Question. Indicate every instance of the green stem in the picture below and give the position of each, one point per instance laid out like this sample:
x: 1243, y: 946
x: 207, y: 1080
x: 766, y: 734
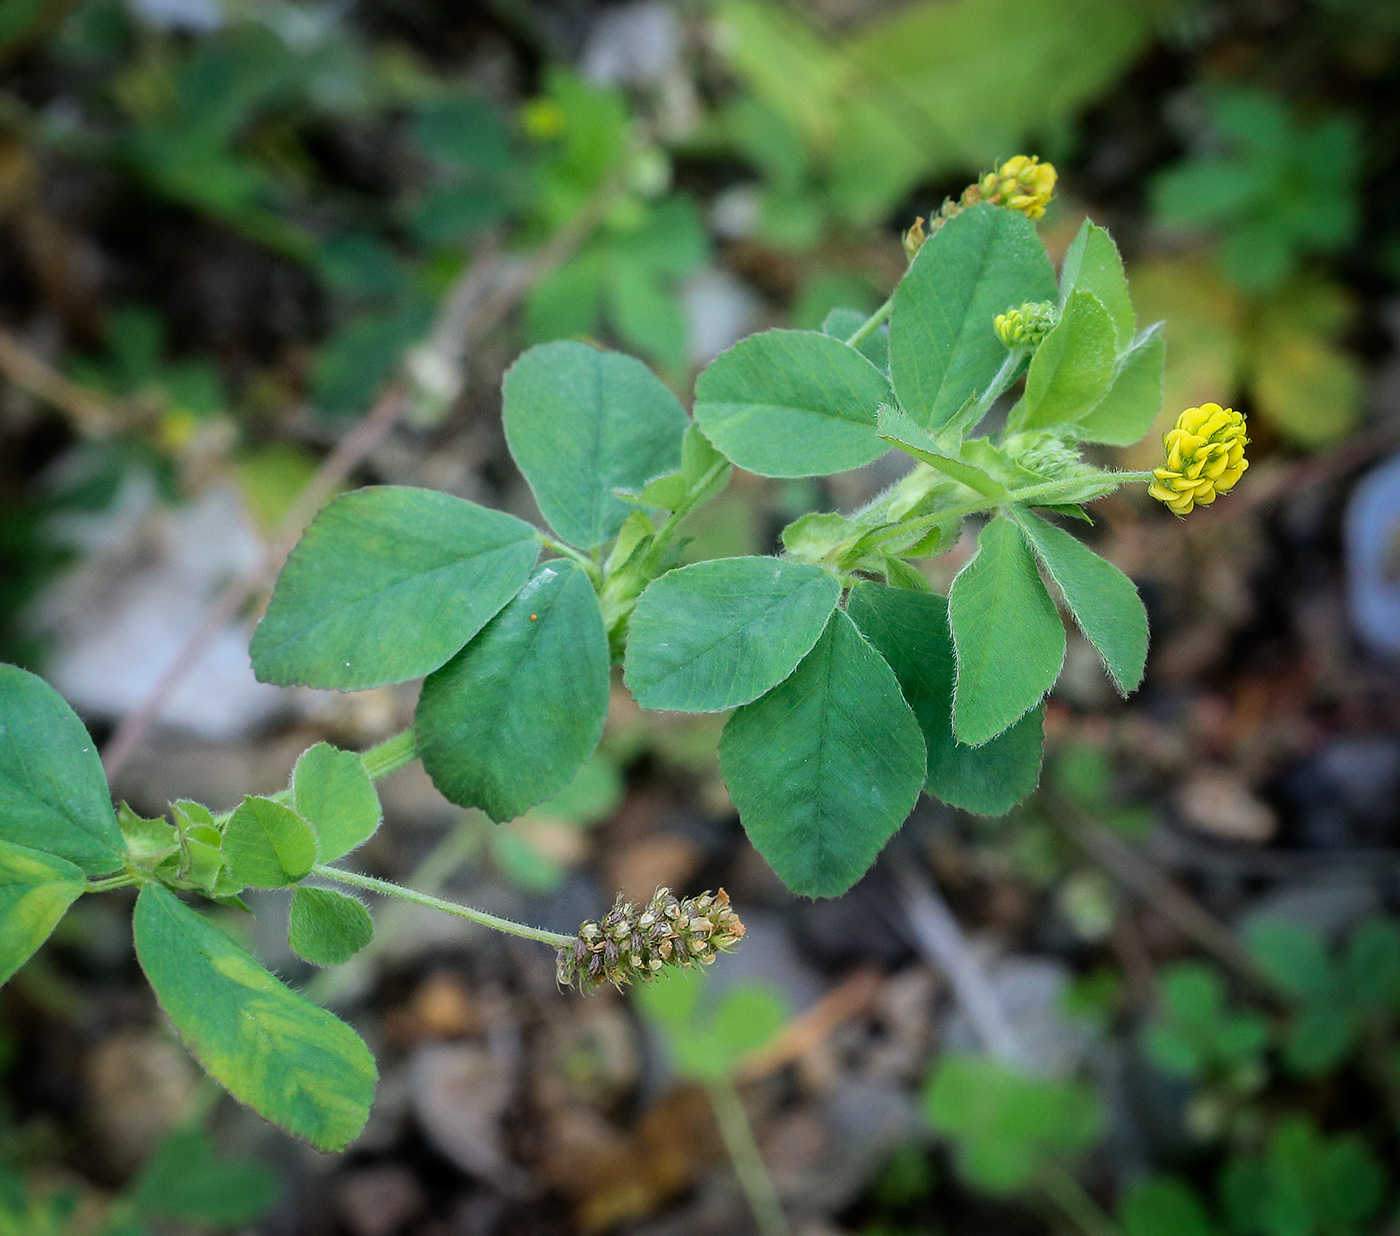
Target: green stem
x: 356, y: 880
x: 334, y: 986
x: 868, y: 327
x: 667, y: 532
x: 108, y: 883
x: 390, y: 755
x: 1012, y: 497
x: 619, y: 595
x: 590, y: 567
x: 1005, y: 376
x: 744, y: 1153
x: 1075, y: 1204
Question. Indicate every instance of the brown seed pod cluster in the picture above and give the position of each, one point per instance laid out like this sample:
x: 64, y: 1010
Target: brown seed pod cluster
x: 629, y: 943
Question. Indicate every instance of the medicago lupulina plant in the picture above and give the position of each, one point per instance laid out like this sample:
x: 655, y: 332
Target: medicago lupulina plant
x: 853, y: 687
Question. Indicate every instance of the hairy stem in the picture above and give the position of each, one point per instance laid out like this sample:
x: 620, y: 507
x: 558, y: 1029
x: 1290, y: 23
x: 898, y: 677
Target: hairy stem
x: 353, y: 878
x: 590, y: 567
x: 1005, y: 376
x: 1026, y: 496
x: 743, y: 1150
x: 390, y: 755
x: 108, y: 883
x: 869, y: 326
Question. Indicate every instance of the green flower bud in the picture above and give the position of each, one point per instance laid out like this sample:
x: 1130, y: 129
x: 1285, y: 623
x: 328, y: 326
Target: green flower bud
x: 1027, y: 326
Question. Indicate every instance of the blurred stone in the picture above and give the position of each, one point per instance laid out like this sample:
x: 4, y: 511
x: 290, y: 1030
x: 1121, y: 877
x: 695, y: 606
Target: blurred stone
x: 590, y: 1052
x: 146, y: 576
x: 379, y: 1200
x: 1082, y: 680
x: 441, y: 1007
x: 140, y: 1084
x: 1372, y: 541
x: 1217, y: 802
x: 1330, y: 904
x: 460, y: 1094
x: 665, y: 858
x: 633, y: 43
x: 1031, y: 992
x: 720, y: 309
x: 1345, y: 795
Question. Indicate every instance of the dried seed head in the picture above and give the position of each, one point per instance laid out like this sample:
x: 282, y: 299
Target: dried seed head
x: 632, y: 943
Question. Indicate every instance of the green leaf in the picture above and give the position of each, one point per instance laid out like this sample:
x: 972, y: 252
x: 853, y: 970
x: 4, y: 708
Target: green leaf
x: 1319, y: 1039
x: 792, y: 403
x: 1103, y: 600
x: 53, y: 792
x: 875, y: 347
x: 942, y: 346
x: 332, y: 792
x: 1006, y: 1124
x: 267, y: 845
x: 747, y: 1017
x: 386, y: 584
x: 826, y: 766
x: 1072, y: 369
x: 188, y: 1180
x: 506, y: 723
x: 291, y: 1062
x: 580, y: 423
x: 1164, y: 1206
x: 899, y: 429
x: 1373, y: 964
x: 327, y: 927
x: 1135, y: 398
x: 910, y: 630
x: 36, y: 890
x: 1093, y: 264
x: 707, y: 1040
x: 1294, y: 957
x: 721, y: 633
x: 1008, y: 636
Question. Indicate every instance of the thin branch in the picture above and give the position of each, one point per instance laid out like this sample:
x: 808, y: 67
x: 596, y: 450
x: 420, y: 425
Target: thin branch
x: 939, y: 937
x: 744, y: 1154
x: 92, y: 414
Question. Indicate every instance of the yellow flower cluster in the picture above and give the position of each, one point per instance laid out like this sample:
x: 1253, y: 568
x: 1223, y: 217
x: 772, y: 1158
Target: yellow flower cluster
x: 1023, y: 183
x: 1027, y: 326
x: 1205, y: 457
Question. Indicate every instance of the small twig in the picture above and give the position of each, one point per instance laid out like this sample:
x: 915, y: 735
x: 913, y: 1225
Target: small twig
x: 388, y: 889
x: 92, y: 415
x: 803, y: 1033
x: 746, y: 1157
x: 940, y: 938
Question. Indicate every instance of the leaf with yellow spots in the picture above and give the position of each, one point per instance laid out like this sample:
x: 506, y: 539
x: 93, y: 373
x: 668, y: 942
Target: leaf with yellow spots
x: 293, y: 1063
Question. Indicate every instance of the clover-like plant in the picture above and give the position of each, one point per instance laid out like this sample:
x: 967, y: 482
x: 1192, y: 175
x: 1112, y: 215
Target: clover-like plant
x: 853, y: 687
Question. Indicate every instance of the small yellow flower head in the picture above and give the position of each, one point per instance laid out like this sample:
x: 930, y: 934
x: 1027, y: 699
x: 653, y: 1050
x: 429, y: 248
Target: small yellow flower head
x: 1027, y: 326
x: 1023, y: 183
x: 1205, y: 457
x: 631, y: 943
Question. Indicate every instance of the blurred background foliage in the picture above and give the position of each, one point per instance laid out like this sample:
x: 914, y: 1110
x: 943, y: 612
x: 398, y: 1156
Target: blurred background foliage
x: 229, y: 226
